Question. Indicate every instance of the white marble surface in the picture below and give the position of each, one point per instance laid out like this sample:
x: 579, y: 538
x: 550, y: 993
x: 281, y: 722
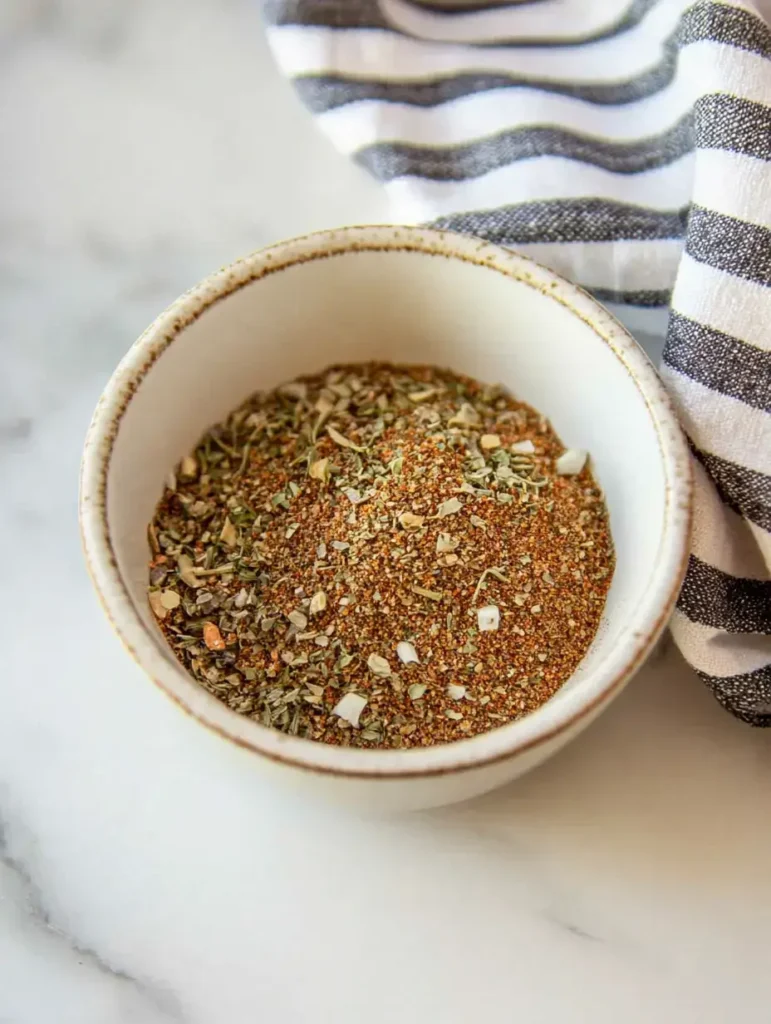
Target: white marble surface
x: 146, y: 874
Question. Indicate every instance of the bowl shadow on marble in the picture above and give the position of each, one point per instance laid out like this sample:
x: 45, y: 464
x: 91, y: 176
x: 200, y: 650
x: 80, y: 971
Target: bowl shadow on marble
x: 664, y: 790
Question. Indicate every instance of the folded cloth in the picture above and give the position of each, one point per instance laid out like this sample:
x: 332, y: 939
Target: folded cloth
x: 628, y: 146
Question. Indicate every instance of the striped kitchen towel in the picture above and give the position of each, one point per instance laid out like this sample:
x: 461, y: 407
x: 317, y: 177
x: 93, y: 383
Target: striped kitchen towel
x: 626, y: 144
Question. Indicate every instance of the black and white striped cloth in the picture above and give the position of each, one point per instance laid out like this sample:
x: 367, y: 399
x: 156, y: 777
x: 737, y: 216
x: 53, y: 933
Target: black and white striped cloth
x: 627, y: 144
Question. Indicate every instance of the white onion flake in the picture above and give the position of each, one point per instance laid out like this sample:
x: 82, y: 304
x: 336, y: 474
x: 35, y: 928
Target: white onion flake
x: 571, y: 462
x: 488, y: 618
x: 406, y: 653
x: 350, y: 708
x: 523, y: 448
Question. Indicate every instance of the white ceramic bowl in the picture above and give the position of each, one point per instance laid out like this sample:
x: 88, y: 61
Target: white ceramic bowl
x: 404, y: 295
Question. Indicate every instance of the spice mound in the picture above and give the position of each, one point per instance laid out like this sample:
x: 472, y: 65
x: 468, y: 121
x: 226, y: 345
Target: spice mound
x: 381, y: 556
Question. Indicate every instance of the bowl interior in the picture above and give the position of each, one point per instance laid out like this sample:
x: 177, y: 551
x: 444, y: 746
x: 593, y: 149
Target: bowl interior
x: 516, y: 327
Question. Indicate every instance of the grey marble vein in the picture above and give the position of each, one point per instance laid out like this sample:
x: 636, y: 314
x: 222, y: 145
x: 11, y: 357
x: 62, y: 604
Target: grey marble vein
x: 153, y: 996
x: 572, y: 928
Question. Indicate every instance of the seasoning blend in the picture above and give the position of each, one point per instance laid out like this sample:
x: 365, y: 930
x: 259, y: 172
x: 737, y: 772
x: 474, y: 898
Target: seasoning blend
x: 381, y: 556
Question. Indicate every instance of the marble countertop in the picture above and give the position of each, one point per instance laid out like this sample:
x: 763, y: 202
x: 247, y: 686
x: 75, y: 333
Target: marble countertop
x: 146, y: 874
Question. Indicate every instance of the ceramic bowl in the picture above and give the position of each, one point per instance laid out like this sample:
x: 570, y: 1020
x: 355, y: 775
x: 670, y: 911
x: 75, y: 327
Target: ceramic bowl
x: 404, y: 295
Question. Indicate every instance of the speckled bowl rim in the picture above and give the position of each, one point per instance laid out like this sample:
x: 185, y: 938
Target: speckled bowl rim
x: 542, y: 726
